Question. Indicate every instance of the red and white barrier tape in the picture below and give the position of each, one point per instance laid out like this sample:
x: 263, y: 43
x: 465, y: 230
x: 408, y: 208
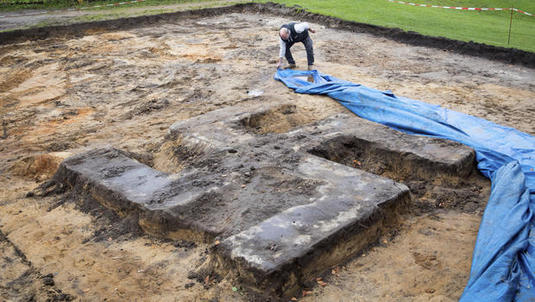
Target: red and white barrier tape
x: 464, y: 8
x: 112, y: 4
x: 73, y: 9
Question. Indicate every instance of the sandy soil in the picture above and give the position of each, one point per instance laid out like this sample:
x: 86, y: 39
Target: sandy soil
x: 12, y: 20
x: 125, y: 88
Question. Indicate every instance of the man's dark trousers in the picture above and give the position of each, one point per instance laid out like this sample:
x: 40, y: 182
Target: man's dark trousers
x: 308, y: 47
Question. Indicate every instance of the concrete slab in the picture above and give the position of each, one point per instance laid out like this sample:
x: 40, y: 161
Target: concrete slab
x: 281, y: 206
x: 129, y: 187
x: 381, y: 150
x: 351, y: 210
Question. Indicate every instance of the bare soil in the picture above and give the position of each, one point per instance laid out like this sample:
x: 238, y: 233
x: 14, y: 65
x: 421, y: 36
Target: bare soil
x: 29, y: 18
x: 124, y: 88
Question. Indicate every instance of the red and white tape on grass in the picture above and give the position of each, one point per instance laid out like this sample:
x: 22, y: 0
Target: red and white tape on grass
x: 464, y: 8
x: 112, y: 4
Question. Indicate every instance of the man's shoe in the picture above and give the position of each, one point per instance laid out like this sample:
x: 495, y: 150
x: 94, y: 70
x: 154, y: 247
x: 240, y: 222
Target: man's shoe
x: 310, y: 67
x: 291, y: 66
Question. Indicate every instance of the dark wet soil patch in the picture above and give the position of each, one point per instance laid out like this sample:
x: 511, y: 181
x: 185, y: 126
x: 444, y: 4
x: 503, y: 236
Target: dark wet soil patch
x: 431, y: 186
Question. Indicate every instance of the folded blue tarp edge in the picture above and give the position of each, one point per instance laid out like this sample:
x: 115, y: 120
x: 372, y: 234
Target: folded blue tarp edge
x: 503, y: 263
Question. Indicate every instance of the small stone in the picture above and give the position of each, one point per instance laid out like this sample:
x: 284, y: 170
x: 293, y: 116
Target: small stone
x: 470, y: 207
x: 306, y: 292
x: 48, y: 280
x: 426, y: 232
x: 188, y: 285
x: 192, y: 275
x: 255, y: 92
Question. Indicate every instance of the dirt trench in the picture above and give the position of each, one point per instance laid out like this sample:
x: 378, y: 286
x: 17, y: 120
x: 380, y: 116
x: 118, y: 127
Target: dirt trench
x: 125, y: 87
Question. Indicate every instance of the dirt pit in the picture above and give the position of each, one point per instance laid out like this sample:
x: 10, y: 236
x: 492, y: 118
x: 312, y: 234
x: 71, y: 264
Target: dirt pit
x: 125, y: 88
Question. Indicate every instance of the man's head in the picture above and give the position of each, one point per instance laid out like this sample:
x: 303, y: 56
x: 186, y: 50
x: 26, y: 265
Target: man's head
x: 284, y: 33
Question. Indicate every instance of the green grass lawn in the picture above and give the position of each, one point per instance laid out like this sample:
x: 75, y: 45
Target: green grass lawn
x: 489, y: 27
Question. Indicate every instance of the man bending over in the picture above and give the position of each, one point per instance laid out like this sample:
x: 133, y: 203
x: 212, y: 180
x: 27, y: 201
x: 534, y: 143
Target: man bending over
x: 290, y: 34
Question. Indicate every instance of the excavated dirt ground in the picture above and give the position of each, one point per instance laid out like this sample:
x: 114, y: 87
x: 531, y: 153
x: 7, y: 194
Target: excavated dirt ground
x: 125, y: 88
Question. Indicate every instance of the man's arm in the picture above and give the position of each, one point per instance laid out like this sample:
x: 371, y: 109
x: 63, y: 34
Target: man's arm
x: 282, y: 52
x: 301, y: 27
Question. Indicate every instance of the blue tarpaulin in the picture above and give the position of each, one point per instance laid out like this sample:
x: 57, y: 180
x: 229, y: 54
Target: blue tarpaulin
x: 503, y: 264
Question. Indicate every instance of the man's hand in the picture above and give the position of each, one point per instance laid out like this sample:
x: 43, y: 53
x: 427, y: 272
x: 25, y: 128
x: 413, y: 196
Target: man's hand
x: 311, y: 30
x: 279, y: 65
